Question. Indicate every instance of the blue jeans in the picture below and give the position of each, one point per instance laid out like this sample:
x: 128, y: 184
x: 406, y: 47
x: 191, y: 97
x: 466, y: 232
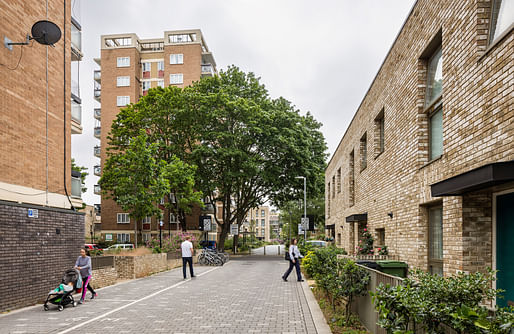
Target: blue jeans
x: 296, y: 264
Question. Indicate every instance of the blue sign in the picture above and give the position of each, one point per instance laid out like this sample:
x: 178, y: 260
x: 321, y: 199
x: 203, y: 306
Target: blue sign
x: 32, y: 213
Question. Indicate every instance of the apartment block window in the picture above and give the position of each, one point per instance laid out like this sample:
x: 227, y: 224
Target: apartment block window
x: 263, y: 222
x: 147, y: 220
x: 160, y: 65
x: 434, y: 77
x: 502, y: 18
x: 147, y: 66
x: 379, y: 134
x: 160, y: 83
x: 146, y: 85
x: 334, y: 186
x: 123, y: 62
x: 122, y: 101
x: 174, y: 222
x: 123, y: 81
x: 176, y: 79
x: 122, y: 238
x: 435, y: 240
x: 147, y: 237
x: 182, y: 38
x: 176, y: 58
x: 339, y: 180
x: 328, y: 197
x: 263, y: 213
x: 364, y: 151
x: 436, y: 133
x: 123, y: 218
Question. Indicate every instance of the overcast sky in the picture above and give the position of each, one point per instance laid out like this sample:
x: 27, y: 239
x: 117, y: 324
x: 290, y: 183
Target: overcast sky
x: 321, y: 55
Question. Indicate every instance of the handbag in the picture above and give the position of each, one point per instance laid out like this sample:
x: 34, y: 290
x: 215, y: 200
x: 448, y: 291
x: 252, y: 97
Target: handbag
x: 287, y: 256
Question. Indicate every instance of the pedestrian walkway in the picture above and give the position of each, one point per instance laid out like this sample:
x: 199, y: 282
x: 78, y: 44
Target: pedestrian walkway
x: 246, y: 295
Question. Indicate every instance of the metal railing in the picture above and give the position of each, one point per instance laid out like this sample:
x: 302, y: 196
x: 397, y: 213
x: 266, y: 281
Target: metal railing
x: 98, y: 132
x: 76, y: 38
x: 76, y: 112
x: 97, y: 75
x: 207, y: 69
x: 98, y: 262
x: 76, y: 187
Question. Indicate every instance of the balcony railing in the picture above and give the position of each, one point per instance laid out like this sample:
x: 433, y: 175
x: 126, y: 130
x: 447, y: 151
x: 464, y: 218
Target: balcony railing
x: 76, y: 40
x: 97, y: 151
x: 98, y: 94
x: 75, y: 88
x: 98, y: 209
x: 97, y: 189
x: 97, y: 170
x: 98, y: 113
x: 76, y: 184
x: 97, y: 75
x: 207, y: 70
x: 76, y: 112
x: 98, y: 132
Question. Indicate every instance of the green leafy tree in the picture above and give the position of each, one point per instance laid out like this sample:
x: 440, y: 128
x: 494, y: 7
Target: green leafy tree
x: 135, y: 179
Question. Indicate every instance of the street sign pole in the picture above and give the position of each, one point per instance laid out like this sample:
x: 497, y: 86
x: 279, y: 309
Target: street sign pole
x: 160, y: 234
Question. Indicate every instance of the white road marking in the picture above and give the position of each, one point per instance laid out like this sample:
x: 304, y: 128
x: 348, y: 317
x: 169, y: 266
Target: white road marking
x: 132, y: 303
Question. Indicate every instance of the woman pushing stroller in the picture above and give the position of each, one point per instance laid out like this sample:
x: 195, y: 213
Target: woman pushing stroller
x: 83, y: 264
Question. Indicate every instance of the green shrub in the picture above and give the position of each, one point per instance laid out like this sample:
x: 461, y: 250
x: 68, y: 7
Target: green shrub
x: 229, y: 243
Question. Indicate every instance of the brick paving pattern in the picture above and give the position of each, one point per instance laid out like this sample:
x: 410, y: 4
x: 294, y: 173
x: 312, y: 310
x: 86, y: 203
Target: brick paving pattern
x: 251, y: 299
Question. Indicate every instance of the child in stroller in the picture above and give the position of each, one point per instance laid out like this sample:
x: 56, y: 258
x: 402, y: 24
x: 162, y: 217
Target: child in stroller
x: 63, y: 294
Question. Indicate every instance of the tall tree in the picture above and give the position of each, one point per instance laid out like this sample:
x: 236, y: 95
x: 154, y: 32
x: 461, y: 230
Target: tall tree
x: 135, y: 179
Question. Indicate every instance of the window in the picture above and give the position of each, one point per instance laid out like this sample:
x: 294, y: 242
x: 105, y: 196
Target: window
x: 328, y: 197
x: 147, y: 220
x: 434, y: 77
x: 174, y: 222
x: 146, y: 85
x: 123, y: 81
x: 123, y: 218
x: 379, y: 133
x: 436, y: 134
x: 339, y: 180
x: 123, y: 62
x: 182, y: 38
x: 339, y: 238
x: 364, y: 151
x: 502, y: 18
x: 122, y: 238
x: 176, y: 58
x: 351, y: 180
x: 263, y: 213
x: 334, y: 186
x: 147, y: 66
x: 176, y: 79
x: 122, y: 101
x: 435, y: 240
x: 263, y: 222
x: 147, y: 237
x: 380, y: 236
x: 160, y: 83
x: 160, y: 65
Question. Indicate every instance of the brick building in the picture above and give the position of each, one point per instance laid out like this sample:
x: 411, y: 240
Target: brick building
x: 258, y: 221
x: 38, y: 115
x: 427, y: 163
x: 130, y: 66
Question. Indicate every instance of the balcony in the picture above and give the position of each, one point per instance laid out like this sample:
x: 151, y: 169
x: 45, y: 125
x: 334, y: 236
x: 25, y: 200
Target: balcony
x: 97, y: 92
x: 76, y: 41
x: 97, y: 189
x: 76, y: 118
x: 98, y: 132
x: 75, y: 91
x: 97, y: 74
x: 97, y: 170
x: 97, y: 151
x: 76, y: 184
x: 207, y: 70
x: 98, y: 113
x: 98, y: 209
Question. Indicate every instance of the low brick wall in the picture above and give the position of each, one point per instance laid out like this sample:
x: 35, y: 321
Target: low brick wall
x: 145, y: 265
x: 104, y: 277
x: 125, y: 267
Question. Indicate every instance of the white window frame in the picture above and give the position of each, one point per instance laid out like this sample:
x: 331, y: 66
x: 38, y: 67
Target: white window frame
x: 145, y: 64
x: 123, y: 221
x: 123, y: 81
x: 160, y: 83
x: 176, y: 58
x: 122, y: 101
x: 173, y: 220
x: 147, y: 237
x: 178, y: 79
x: 146, y: 83
x: 147, y: 220
x: 123, y: 62
x: 160, y: 65
x: 124, y: 239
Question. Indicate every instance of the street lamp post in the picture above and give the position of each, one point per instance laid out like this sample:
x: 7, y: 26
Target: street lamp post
x: 304, y: 204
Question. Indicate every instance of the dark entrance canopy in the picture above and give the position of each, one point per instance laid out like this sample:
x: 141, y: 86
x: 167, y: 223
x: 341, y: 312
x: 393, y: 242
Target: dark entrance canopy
x: 357, y: 218
x: 330, y: 227
x: 476, y: 179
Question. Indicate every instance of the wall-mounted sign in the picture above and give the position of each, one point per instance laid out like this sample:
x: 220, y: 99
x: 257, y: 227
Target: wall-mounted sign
x: 33, y: 213
x: 108, y: 237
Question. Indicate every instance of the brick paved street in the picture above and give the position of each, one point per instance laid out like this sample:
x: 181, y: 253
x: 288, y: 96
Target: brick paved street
x: 251, y: 299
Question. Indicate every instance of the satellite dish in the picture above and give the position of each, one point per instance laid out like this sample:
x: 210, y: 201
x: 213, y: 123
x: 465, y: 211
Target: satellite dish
x: 46, y: 32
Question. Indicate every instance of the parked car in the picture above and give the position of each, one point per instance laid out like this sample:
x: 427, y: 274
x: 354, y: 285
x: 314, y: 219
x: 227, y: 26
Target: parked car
x: 92, y: 247
x: 120, y: 246
x: 317, y: 243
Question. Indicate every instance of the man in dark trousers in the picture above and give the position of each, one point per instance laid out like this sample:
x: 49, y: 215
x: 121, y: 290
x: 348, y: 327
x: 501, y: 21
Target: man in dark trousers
x: 187, y: 256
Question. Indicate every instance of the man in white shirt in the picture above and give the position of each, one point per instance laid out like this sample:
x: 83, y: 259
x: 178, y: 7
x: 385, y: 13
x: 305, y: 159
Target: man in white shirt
x: 187, y: 256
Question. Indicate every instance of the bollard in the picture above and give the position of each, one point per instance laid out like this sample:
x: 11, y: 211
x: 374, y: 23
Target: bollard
x: 264, y: 249
x: 278, y: 247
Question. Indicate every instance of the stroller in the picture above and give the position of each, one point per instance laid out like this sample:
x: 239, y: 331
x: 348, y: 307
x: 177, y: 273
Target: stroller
x: 63, y: 295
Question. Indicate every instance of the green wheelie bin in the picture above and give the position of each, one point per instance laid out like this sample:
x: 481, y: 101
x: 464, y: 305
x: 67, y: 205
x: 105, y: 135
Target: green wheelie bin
x: 394, y: 268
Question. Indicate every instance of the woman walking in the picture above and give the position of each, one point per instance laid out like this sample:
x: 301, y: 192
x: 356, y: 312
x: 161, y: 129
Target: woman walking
x: 294, y: 261
x: 83, y: 264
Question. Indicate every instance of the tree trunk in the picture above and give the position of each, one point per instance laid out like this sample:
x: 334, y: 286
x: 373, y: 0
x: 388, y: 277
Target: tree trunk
x: 234, y: 244
x: 225, y: 228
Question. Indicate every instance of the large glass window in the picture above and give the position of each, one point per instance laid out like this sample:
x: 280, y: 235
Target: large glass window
x: 502, y: 17
x: 123, y: 218
x: 434, y: 77
x: 160, y: 66
x: 160, y: 83
x: 435, y: 240
x: 147, y: 66
x: 364, y: 151
x: 436, y: 134
x: 146, y: 85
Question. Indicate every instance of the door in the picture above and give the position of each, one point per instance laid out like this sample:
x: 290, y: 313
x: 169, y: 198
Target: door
x: 504, y: 239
